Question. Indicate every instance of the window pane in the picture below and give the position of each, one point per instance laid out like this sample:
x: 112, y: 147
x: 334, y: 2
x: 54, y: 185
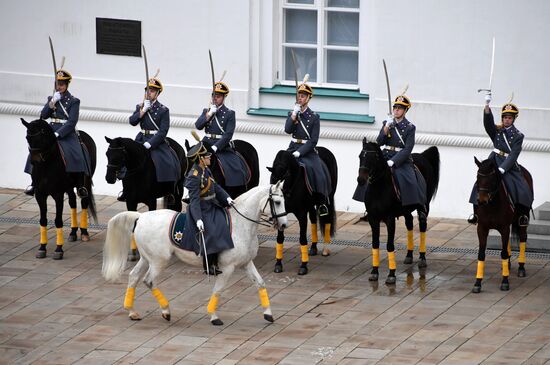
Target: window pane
x: 342, y: 28
x: 300, y: 1
x: 343, y: 3
x: 301, y: 26
x: 306, y: 62
x: 342, y: 67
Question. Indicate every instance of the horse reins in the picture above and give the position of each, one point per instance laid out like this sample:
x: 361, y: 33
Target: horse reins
x: 262, y: 221
x: 118, y: 168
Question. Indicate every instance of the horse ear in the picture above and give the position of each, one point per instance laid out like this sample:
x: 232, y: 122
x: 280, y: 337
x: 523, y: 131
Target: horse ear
x: 108, y: 140
x: 270, y: 169
x: 364, y: 141
x: 25, y: 123
x: 187, y: 146
x: 477, y: 161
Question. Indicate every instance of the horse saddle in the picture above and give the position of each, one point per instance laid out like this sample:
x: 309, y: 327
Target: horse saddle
x: 177, y: 230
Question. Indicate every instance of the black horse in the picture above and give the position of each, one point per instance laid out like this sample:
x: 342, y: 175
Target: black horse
x: 495, y: 211
x: 383, y: 204
x: 139, y: 182
x: 300, y: 201
x: 51, y: 179
x: 250, y: 155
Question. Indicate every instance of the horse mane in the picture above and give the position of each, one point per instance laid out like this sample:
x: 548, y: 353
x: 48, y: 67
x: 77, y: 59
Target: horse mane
x: 132, y: 146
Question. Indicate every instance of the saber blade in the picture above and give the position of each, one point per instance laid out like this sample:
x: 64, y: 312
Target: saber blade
x: 54, y: 65
x: 387, y: 85
x: 146, y: 70
x: 492, y: 66
x: 293, y: 57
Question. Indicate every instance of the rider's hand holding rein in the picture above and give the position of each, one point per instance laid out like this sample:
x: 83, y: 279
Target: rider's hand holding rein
x: 200, y: 225
x: 230, y: 202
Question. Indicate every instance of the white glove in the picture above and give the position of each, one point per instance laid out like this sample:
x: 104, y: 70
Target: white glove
x: 213, y: 109
x: 215, y: 149
x: 488, y: 98
x: 296, y: 109
x: 56, y: 134
x: 200, y: 225
x: 147, y: 145
x: 296, y: 154
x: 230, y: 201
x: 501, y: 170
x: 56, y: 97
x: 389, y: 121
x: 390, y: 163
x: 146, y: 105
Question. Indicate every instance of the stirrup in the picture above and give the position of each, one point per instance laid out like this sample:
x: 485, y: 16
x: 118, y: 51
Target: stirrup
x: 323, y: 210
x: 213, y: 271
x: 170, y: 199
x: 472, y: 219
x: 523, y: 220
x: 121, y: 196
x: 82, y: 192
x: 29, y: 190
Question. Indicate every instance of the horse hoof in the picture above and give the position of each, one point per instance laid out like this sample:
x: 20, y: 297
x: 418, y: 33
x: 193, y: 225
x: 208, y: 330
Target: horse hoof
x: 373, y: 277
x: 521, y: 273
x: 390, y: 280
x: 133, y: 255
x: 278, y: 268
x: 269, y: 318
x: 326, y: 252
x: 58, y: 255
x: 72, y: 238
x: 302, y: 271
x: 166, y: 316
x: 40, y: 254
x: 85, y: 238
x: 217, y: 322
x: 312, y: 251
x: 476, y: 289
x: 505, y: 286
x: 408, y: 260
x: 134, y: 316
x: 422, y: 263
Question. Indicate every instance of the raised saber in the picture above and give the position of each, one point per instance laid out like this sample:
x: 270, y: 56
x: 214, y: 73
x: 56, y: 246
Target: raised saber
x: 146, y: 72
x: 387, y: 86
x: 492, y: 69
x: 293, y: 57
x: 54, y: 66
x: 213, y: 76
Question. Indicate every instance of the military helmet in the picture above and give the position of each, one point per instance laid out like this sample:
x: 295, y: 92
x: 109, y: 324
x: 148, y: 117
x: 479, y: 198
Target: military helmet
x: 221, y: 88
x: 63, y: 75
x: 403, y: 101
x: 156, y: 84
x: 198, y: 150
x: 510, y: 109
x: 305, y: 88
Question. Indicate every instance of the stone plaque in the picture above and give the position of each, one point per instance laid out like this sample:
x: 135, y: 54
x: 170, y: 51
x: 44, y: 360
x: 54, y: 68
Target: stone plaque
x: 118, y: 37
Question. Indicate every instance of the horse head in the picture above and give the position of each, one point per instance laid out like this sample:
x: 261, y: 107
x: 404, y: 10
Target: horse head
x: 285, y: 168
x: 41, y: 139
x: 371, y: 161
x: 277, y: 205
x: 488, y: 180
x: 116, y: 159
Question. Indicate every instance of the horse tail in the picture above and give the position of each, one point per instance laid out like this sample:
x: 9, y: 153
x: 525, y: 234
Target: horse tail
x: 432, y: 156
x: 117, y: 244
x: 91, y: 203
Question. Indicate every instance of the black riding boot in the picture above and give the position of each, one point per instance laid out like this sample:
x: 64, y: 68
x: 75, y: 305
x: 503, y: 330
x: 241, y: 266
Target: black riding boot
x: 212, y: 263
x: 473, y: 217
x: 29, y: 190
x: 121, y: 196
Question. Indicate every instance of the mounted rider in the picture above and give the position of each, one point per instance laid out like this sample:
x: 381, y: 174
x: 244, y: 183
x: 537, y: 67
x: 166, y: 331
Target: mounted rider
x: 63, y: 109
x: 207, y: 217
x: 507, y: 141
x: 304, y: 126
x: 154, y: 121
x: 397, y: 139
x: 219, y: 124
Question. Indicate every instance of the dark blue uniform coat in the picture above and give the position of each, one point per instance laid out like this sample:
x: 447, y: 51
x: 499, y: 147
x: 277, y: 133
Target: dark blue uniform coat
x: 411, y: 184
x: 234, y: 168
x: 76, y: 158
x: 165, y: 159
x: 207, y: 202
x: 515, y: 183
x: 317, y: 172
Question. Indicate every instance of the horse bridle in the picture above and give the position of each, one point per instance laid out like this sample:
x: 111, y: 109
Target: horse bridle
x: 490, y: 193
x: 366, y: 168
x: 118, y: 168
x: 37, y: 150
x: 265, y: 222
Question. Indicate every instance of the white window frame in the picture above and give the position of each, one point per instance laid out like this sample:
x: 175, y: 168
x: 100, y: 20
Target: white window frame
x: 321, y: 46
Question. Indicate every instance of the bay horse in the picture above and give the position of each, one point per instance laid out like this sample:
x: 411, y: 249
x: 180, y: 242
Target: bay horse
x: 250, y: 155
x: 152, y: 234
x: 52, y: 179
x: 299, y: 201
x: 382, y: 203
x: 496, y: 211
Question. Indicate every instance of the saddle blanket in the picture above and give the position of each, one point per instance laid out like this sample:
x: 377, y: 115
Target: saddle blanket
x: 177, y: 229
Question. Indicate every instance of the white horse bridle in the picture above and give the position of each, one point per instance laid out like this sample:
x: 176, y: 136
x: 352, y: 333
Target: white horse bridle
x: 273, y: 219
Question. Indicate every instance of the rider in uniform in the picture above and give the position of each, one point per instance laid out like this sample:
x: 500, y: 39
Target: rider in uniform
x: 63, y: 108
x: 154, y: 121
x: 219, y: 124
x: 304, y: 126
x: 206, y: 211
x: 507, y: 141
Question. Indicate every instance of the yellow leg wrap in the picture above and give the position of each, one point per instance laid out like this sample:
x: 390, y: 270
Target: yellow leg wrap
x: 129, y: 298
x: 480, y: 269
x: 314, y: 237
x: 74, y: 220
x: 133, y: 244
x: 43, y: 235
x: 163, y: 302
x: 84, y: 219
x: 279, y: 251
x: 521, y: 258
x: 375, y: 257
x: 264, y: 299
x: 422, y: 247
x: 59, y: 238
x: 509, y: 249
x: 327, y: 233
x: 391, y: 260
x: 410, y: 240
x: 505, y: 269
x: 305, y: 256
x: 213, y: 303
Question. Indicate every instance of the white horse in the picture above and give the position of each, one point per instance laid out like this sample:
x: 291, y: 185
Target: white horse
x: 150, y: 231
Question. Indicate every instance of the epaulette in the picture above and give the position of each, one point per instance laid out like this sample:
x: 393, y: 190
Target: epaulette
x: 195, y: 172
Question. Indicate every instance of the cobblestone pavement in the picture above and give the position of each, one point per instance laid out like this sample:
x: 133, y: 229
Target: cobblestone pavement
x: 55, y: 312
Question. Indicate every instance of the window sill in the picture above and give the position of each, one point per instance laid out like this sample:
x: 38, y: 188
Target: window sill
x: 323, y: 92
x: 341, y: 117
